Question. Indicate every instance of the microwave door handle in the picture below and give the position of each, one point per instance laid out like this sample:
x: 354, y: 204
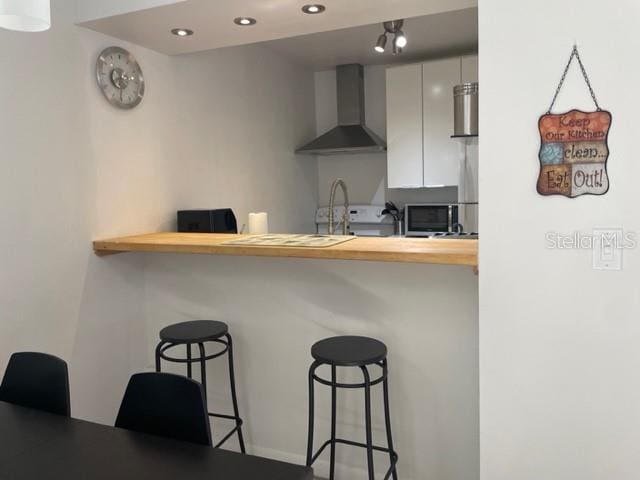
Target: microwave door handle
x: 406, y: 221
x: 450, y: 208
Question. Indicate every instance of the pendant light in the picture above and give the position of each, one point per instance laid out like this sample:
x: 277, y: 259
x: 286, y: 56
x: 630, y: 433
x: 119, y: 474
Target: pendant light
x: 25, y: 15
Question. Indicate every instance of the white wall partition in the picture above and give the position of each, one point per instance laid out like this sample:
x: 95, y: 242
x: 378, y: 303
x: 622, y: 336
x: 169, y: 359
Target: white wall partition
x: 277, y: 308
x: 559, y: 356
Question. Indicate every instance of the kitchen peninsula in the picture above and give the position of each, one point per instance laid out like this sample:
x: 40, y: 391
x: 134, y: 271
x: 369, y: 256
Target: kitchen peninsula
x: 402, y: 250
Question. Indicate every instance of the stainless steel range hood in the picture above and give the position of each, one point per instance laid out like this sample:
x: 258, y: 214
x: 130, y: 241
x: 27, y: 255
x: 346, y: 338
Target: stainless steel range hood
x: 351, y: 135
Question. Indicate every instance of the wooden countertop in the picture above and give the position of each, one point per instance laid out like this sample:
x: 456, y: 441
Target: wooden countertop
x: 376, y: 249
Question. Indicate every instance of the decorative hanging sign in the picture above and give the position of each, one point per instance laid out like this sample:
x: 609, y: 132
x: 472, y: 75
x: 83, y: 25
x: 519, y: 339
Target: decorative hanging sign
x: 574, y: 148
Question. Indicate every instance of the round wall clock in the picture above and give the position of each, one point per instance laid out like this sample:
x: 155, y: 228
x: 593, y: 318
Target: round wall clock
x: 120, y: 77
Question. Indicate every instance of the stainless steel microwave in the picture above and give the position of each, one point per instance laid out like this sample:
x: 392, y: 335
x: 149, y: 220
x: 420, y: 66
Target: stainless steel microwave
x: 425, y: 219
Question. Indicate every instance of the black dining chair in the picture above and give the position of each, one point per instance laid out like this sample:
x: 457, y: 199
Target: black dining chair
x: 165, y: 405
x: 37, y: 380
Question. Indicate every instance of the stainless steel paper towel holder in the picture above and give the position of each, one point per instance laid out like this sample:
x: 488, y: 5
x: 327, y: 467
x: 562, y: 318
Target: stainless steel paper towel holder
x: 465, y: 110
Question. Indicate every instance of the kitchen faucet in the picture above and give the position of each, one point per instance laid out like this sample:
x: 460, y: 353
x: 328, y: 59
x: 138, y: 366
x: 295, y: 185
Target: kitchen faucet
x: 345, y: 220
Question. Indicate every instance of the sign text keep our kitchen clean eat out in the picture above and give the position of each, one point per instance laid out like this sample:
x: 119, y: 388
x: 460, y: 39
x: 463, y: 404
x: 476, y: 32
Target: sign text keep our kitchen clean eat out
x: 574, y: 153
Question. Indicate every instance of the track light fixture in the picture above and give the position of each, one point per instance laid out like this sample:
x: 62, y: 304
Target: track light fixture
x: 381, y: 43
x: 393, y: 27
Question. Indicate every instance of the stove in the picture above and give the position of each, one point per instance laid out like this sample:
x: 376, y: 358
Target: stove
x: 364, y: 220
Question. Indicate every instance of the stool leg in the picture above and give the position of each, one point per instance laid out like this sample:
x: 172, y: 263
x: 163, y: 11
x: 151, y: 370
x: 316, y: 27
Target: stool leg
x: 203, y: 373
x: 234, y: 397
x: 387, y: 416
x: 367, y: 410
x: 312, y: 370
x: 158, y: 348
x: 189, y: 373
x: 334, y: 390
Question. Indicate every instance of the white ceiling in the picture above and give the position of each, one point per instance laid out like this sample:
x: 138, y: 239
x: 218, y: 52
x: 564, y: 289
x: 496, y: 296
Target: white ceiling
x: 212, y: 20
x: 94, y: 9
x: 429, y: 36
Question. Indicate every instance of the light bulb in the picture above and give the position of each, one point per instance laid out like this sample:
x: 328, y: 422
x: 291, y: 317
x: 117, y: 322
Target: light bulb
x: 182, y: 32
x: 245, y: 21
x: 381, y: 43
x: 400, y: 40
x: 313, y: 9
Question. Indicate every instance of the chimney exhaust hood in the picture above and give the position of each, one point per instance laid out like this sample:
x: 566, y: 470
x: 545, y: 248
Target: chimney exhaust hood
x: 351, y: 135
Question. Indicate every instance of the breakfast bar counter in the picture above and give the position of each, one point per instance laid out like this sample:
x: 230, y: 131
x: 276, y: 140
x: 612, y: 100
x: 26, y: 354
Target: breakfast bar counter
x: 375, y: 249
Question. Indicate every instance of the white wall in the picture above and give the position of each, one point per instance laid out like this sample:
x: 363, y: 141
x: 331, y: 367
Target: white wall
x: 73, y: 168
x: 560, y: 392
x: 277, y: 308
x: 241, y: 113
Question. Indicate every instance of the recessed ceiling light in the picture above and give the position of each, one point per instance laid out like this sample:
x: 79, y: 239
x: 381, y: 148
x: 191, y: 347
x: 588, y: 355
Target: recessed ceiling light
x: 313, y: 8
x: 182, y: 32
x: 245, y: 21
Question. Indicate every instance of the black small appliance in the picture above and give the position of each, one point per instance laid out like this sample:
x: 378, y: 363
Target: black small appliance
x: 221, y: 220
x: 423, y: 220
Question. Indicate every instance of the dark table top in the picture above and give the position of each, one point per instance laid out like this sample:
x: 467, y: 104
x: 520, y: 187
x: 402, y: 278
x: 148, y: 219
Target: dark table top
x: 35, y: 445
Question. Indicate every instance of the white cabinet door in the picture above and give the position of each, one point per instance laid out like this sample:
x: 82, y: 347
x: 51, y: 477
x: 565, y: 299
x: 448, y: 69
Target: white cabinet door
x: 442, y: 154
x: 469, y: 68
x: 404, y: 127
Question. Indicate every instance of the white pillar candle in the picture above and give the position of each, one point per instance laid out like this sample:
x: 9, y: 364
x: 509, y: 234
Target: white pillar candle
x: 258, y: 223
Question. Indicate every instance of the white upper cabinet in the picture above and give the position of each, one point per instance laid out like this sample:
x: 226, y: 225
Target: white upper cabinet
x: 420, y: 150
x: 441, y: 153
x: 404, y: 127
x: 469, y: 69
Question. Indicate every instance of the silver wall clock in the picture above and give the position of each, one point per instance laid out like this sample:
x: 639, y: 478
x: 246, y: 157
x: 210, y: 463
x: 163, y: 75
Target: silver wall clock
x: 120, y: 77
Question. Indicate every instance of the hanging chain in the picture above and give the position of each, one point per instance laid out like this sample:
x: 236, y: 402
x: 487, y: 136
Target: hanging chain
x: 574, y: 53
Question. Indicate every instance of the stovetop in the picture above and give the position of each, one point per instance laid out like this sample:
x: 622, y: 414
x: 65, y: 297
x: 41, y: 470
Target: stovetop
x: 456, y: 235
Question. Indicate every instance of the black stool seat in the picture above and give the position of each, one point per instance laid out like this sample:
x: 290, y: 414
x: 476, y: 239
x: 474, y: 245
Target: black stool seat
x: 349, y: 351
x: 195, y: 331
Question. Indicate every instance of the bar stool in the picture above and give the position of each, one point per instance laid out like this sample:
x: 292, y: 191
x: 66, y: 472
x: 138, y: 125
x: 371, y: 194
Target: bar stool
x: 199, y: 332
x: 350, y: 351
